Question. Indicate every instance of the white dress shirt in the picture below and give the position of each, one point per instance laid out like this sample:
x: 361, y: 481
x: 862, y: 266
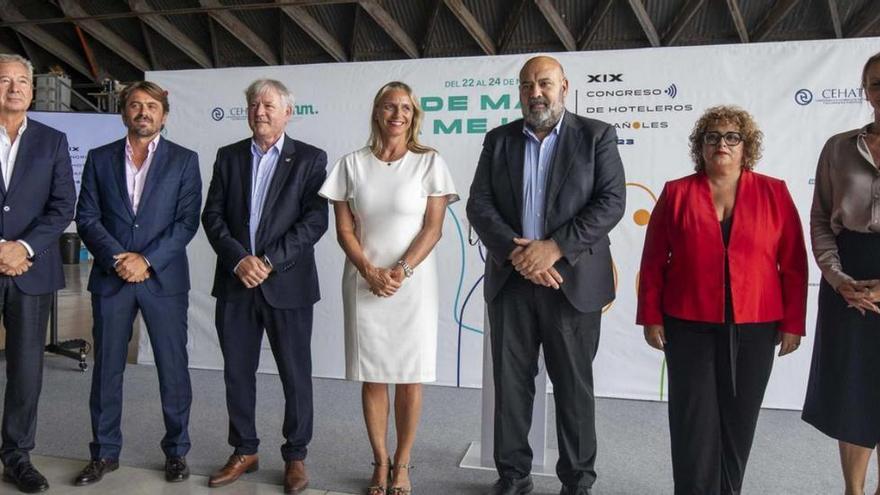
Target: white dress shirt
x: 8, y: 153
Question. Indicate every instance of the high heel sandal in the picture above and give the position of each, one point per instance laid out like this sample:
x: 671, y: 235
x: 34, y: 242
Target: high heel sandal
x: 401, y: 490
x: 379, y: 489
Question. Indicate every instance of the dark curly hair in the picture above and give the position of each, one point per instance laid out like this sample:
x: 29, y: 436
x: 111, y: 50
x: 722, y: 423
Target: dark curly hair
x: 727, y: 114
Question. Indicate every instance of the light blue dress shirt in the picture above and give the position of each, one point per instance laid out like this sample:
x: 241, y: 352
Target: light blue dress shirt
x: 537, y: 163
x: 263, y: 167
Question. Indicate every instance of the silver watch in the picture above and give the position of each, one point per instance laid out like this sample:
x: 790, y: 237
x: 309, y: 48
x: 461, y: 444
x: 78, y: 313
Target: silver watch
x: 407, y: 270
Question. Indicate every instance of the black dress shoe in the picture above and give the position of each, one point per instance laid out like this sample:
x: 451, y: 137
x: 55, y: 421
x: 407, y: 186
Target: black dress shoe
x: 95, y: 470
x: 176, y: 469
x: 574, y: 490
x: 512, y: 486
x: 26, y: 477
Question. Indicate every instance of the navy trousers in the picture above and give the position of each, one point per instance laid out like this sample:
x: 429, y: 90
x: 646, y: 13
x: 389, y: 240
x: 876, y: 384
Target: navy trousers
x: 25, y: 318
x: 240, y: 325
x: 165, y: 319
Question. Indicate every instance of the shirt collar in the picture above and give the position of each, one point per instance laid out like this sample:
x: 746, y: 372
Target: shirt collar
x: 278, y: 146
x: 530, y: 133
x: 151, y: 147
x: 20, y: 129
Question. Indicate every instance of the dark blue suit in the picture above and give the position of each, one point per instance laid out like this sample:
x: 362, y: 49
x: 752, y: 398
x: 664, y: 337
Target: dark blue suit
x: 36, y: 206
x: 166, y: 220
x: 294, y: 218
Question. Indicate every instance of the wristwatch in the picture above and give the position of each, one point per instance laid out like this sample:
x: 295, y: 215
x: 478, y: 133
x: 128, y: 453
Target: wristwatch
x: 407, y: 270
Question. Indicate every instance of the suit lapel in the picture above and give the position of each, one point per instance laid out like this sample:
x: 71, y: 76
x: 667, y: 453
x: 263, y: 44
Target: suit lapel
x: 23, y: 159
x: 515, y: 149
x: 282, y: 171
x: 245, y: 166
x: 157, y: 168
x: 118, y: 167
x: 570, y: 137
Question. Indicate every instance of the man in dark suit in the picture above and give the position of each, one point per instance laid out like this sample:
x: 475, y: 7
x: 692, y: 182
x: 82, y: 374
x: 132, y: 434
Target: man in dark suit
x: 138, y: 209
x: 263, y: 217
x: 37, y: 197
x: 546, y: 192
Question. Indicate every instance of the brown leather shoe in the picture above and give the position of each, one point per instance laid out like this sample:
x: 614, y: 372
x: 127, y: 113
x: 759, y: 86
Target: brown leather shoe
x: 295, y: 477
x: 236, y: 466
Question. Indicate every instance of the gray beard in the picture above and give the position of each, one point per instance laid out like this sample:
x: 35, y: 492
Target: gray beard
x: 544, y: 120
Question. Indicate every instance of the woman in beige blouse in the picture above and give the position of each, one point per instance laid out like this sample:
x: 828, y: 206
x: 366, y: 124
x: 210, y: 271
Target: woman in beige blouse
x: 843, y: 395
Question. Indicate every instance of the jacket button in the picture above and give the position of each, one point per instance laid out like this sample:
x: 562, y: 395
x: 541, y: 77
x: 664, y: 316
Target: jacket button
x: 6, y: 208
x: 136, y: 226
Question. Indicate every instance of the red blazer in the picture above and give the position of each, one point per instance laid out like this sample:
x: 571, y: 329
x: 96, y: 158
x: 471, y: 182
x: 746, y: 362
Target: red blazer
x: 682, y: 272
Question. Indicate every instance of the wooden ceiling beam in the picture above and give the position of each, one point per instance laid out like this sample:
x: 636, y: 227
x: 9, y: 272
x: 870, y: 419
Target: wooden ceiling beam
x: 316, y: 31
x: 557, y: 23
x: 105, y: 36
x: 682, y: 19
x: 9, y: 12
x: 168, y: 31
x: 472, y: 25
x: 390, y: 26
x: 835, y: 18
x: 513, y: 19
x: 151, y: 52
x: 645, y: 21
x: 774, y: 16
x: 241, y: 32
x: 739, y: 22
x: 591, y: 28
x: 863, y: 21
x: 430, y: 31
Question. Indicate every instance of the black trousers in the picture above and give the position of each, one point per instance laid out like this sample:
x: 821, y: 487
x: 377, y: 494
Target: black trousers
x: 25, y: 318
x: 240, y: 324
x: 524, y: 317
x: 717, y: 377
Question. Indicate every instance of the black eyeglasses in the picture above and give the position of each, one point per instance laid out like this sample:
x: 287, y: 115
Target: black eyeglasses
x: 730, y: 138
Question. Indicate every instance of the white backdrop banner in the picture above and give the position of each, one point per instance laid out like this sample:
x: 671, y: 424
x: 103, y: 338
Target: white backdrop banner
x: 800, y: 93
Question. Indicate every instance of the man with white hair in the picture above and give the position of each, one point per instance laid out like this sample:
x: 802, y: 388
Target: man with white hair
x: 37, y: 197
x: 263, y: 217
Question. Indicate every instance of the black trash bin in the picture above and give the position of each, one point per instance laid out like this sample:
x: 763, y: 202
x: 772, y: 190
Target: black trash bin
x: 70, y: 246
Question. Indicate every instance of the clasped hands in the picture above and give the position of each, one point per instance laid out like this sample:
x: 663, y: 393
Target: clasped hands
x: 383, y: 282
x: 131, y: 267
x: 534, y: 260
x: 13, y: 259
x: 861, y: 295
x: 252, y: 271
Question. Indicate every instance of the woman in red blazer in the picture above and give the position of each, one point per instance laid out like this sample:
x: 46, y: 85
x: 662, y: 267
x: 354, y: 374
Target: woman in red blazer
x: 723, y: 280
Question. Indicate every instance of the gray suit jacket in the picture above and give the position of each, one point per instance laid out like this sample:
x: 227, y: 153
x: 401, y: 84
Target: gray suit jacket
x: 586, y: 197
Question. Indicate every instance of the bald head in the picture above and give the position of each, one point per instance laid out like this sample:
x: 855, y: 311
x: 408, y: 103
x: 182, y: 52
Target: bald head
x: 544, y: 62
x: 542, y: 91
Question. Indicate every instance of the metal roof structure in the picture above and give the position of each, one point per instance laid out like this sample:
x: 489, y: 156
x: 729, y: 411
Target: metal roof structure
x: 94, y: 40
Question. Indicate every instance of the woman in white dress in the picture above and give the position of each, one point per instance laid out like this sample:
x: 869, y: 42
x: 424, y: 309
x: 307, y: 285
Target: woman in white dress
x: 390, y: 199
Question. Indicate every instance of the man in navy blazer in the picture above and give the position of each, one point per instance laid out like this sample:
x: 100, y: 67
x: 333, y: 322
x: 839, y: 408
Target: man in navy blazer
x: 263, y: 217
x: 547, y: 191
x: 36, y: 205
x: 138, y: 209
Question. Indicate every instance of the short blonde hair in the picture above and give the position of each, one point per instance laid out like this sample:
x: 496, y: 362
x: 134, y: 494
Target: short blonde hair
x: 728, y: 114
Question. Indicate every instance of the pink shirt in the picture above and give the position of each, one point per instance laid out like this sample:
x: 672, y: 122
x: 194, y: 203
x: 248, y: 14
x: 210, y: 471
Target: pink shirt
x: 136, y: 178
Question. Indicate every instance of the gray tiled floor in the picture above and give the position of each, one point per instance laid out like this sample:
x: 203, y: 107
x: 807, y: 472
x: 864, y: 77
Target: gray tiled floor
x: 135, y: 481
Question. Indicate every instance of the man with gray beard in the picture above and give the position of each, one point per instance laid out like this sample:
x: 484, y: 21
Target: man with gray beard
x: 547, y: 190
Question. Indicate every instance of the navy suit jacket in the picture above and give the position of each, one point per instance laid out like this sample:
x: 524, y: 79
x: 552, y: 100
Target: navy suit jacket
x: 586, y: 197
x: 294, y: 218
x: 166, y: 220
x: 37, y: 204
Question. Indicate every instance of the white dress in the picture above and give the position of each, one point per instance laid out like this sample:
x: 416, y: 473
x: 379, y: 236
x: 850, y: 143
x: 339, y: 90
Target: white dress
x: 390, y: 339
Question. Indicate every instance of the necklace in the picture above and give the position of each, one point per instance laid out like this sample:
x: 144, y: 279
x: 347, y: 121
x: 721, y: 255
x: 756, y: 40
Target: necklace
x: 395, y: 157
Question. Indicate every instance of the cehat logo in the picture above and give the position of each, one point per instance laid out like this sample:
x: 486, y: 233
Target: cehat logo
x: 600, y: 78
x: 671, y: 91
x: 803, y: 97
x: 217, y: 114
